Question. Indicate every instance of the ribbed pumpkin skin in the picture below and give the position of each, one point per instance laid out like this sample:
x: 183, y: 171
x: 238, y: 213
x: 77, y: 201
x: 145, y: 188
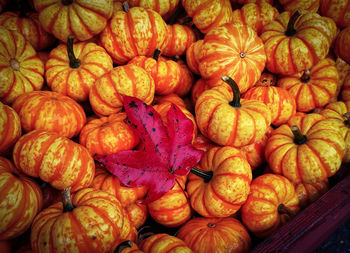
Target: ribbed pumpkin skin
x: 255, y: 15
x: 84, y: 18
x: 345, y: 93
x: 164, y: 7
x: 164, y: 243
x: 336, y: 111
x: 55, y: 159
x: 139, y: 31
x: 208, y: 14
x: 137, y: 212
x: 51, y: 111
x: 293, y: 5
x: 227, y: 125
x: 317, y: 159
x: 29, y: 27
x: 309, y: 193
x: 186, y: 79
x: 180, y: 38
x: 280, y: 102
x: 315, y: 92
x: 229, y: 186
x: 10, y: 128
x: 267, y: 192
x: 76, y: 82
x: 192, y: 55
x: 292, y: 54
x: 95, y: 224
x: 108, y: 135
x: 215, y: 235
x: 21, y: 200
x: 165, y: 73
x: 342, y: 44
x: 107, y: 182
x: 173, y: 208
x: 234, y: 50
x: 338, y: 10
x: 106, y: 94
x: 252, y: 1
x: 20, y: 69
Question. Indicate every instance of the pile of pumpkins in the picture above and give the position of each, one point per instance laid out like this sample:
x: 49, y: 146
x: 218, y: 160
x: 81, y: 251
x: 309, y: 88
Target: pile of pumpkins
x: 266, y: 84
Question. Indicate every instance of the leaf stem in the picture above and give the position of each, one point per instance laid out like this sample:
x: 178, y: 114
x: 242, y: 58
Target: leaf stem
x: 236, y: 93
x: 206, y: 175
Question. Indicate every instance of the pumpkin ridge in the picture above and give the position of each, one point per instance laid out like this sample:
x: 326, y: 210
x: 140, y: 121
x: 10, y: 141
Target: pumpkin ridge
x: 275, y: 66
x: 84, y: 67
x: 116, y: 47
x: 153, y: 43
x: 315, y: 58
x: 233, y: 132
x: 325, y: 167
x: 54, y: 17
x: 290, y: 56
x: 252, y: 139
x: 128, y: 20
x: 321, y: 87
x: 82, y: 22
x: 222, y: 199
x: 312, y: 97
x: 9, y: 91
x: 206, y: 127
x: 90, y: 9
x: 272, y: 191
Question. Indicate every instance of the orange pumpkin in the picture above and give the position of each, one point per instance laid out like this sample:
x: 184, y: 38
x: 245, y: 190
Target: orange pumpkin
x: 29, y: 27
x: 127, y: 247
x: 294, y: 43
x: 234, y: 50
x: 55, y: 159
x: 186, y: 79
x: 342, y: 44
x: 92, y: 221
x: 165, y: 73
x: 51, y: 111
x: 108, y: 135
x: 255, y: 15
x: 202, y: 143
x: 338, y: 10
x: 343, y: 69
x: 137, y: 31
x: 309, y: 149
x: 228, y: 120
x: 192, y: 54
x: 309, y: 193
x: 252, y: 1
x: 137, y: 212
x: 106, y: 95
x: 266, y: 79
x: 171, y: 98
x: 165, y: 8
x: 271, y: 203
x: 173, y: 208
x: 71, y: 70
x: 312, y: 88
x: 84, y: 19
x: 345, y: 93
x: 180, y: 38
x: 20, y: 69
x: 215, y: 235
x: 164, y: 243
x: 21, y: 200
x: 208, y: 14
x: 293, y: 5
x: 10, y: 128
x: 220, y: 185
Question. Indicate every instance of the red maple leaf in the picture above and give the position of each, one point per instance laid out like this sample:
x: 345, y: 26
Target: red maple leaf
x: 166, y: 150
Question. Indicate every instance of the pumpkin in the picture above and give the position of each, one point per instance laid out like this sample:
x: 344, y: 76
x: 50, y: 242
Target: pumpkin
x: 20, y: 69
x: 271, y: 203
x: 228, y: 120
x: 84, y: 19
x: 164, y: 8
x: 171, y: 98
x: 266, y: 79
x: 10, y: 128
x: 137, y: 212
x: 255, y: 15
x: 202, y: 143
x: 127, y: 247
x: 215, y: 235
x: 339, y: 113
x: 91, y: 221
x: 234, y: 50
x: 198, y: 88
x: 280, y: 102
x: 252, y: 1
x: 106, y: 95
x: 71, y: 70
x: 136, y: 31
x: 208, y: 14
x: 342, y: 44
x: 338, y: 10
x: 51, y: 111
x: 186, y: 79
x: 192, y: 54
x: 179, y: 38
x: 108, y: 135
x: 308, y: 149
x: 29, y: 26
x: 173, y: 208
x: 164, y: 243
x: 293, y: 5
x: 221, y: 183
x: 165, y: 73
x: 294, y: 43
x: 312, y: 88
x: 345, y: 93
x: 309, y: 193
x: 55, y: 159
x: 107, y: 182
x: 343, y: 69
x: 21, y: 200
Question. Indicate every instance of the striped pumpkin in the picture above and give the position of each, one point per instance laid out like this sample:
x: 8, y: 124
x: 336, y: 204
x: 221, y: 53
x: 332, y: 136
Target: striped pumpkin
x: 163, y: 243
x: 338, y: 10
x: 180, y: 38
x: 342, y: 44
x: 345, y: 93
x: 309, y: 193
x: 192, y: 55
x: 293, y: 5
x: 54, y: 159
x: 165, y: 8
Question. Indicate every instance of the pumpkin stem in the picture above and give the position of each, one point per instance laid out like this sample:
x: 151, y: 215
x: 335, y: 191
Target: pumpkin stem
x: 206, y: 175
x: 123, y: 245
x: 347, y: 119
x: 176, y: 14
x: 67, y: 201
x: 144, y: 232
x: 236, y: 94
x: 67, y: 2
x: 282, y: 209
x: 156, y: 54
x: 299, y: 138
x: 290, y: 28
x: 306, y: 76
x: 126, y: 6
x: 73, y: 61
x: 14, y: 63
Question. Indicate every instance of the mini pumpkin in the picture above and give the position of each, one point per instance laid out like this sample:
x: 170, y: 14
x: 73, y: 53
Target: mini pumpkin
x: 309, y: 193
x: 342, y: 44
x: 179, y: 39
x: 338, y: 10
x: 164, y: 243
